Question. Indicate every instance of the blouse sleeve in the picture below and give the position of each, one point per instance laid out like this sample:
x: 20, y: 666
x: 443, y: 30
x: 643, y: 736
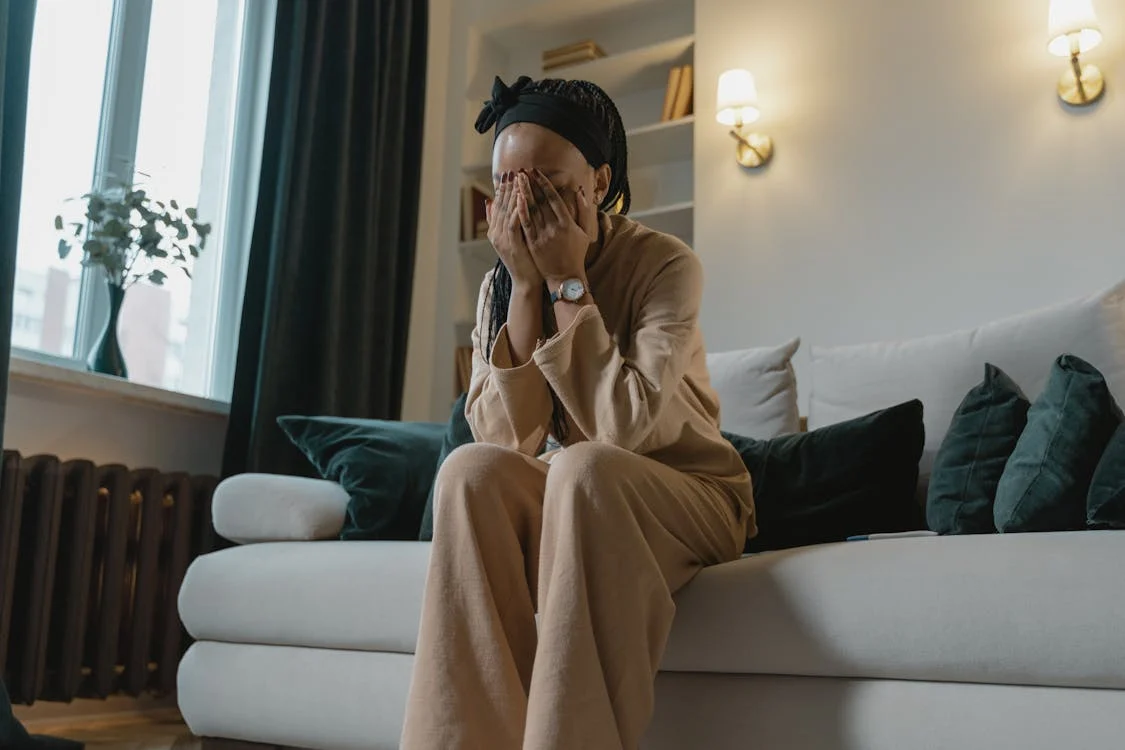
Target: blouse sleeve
x: 615, y: 394
x: 507, y: 406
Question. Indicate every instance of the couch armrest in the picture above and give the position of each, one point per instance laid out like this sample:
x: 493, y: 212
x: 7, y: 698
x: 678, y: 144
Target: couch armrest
x: 250, y: 508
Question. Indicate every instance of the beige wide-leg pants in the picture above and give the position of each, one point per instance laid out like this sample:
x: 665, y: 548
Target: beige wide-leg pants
x: 596, y: 542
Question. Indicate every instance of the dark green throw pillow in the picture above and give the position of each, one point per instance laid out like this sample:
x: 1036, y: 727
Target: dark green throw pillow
x: 854, y: 477
x: 1046, y: 481
x: 1105, y: 505
x: 972, y: 456
x: 456, y: 435
x: 386, y: 468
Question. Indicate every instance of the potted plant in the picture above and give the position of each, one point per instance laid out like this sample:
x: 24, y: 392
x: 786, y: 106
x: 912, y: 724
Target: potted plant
x: 130, y: 235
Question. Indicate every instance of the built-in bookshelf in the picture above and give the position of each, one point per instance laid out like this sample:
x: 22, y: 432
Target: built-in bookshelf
x: 642, y: 41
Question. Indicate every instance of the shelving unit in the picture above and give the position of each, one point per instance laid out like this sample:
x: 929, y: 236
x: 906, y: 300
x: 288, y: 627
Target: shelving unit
x: 643, y: 40
x: 661, y: 142
x: 675, y: 218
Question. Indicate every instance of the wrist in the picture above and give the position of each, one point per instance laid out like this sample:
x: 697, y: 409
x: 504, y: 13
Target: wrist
x: 524, y: 290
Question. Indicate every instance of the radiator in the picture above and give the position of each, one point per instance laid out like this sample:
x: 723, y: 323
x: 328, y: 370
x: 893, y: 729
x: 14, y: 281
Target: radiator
x: 91, y: 561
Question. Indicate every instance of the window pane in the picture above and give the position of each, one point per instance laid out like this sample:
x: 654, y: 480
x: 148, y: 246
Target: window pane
x: 185, y: 128
x: 68, y: 56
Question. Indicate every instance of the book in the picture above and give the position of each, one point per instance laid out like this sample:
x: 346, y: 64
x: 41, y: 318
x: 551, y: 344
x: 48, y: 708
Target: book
x: 587, y: 46
x: 670, y: 93
x: 572, y: 54
x: 684, y: 99
x: 473, y: 211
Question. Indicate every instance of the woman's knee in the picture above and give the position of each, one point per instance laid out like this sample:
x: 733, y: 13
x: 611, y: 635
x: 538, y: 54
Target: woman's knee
x: 587, y: 460
x: 581, y: 473
x: 473, y: 464
x: 472, y: 473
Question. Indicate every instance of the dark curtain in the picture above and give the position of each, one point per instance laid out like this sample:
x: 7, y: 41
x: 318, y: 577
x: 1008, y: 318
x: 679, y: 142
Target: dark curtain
x: 17, y: 21
x: 326, y: 308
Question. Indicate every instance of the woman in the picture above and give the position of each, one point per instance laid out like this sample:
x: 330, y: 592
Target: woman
x: 587, y: 333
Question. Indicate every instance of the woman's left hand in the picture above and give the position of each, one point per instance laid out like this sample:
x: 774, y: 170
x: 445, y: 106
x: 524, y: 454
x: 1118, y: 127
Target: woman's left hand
x: 558, y: 241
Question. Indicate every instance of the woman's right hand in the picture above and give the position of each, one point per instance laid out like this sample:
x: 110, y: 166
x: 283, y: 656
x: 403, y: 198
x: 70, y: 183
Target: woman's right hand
x: 506, y: 235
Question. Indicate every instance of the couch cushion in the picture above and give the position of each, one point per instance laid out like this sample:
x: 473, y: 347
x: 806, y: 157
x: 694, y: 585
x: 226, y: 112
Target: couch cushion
x: 846, y: 479
x: 971, y: 459
x: 757, y: 390
x: 386, y: 467
x: 1024, y: 609
x: 361, y: 596
x: 1047, y: 478
x: 848, y: 381
x: 1105, y: 505
x: 1027, y: 609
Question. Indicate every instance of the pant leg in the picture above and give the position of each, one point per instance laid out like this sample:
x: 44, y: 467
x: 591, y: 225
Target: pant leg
x: 621, y: 533
x: 476, y: 645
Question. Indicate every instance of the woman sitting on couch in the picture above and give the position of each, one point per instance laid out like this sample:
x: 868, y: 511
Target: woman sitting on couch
x: 587, y: 334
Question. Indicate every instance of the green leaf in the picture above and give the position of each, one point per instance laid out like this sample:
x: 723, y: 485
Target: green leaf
x: 175, y: 206
x: 58, y: 223
x: 64, y: 249
x: 78, y: 227
x: 191, y: 213
x: 186, y: 271
x: 157, y: 277
x: 193, y: 250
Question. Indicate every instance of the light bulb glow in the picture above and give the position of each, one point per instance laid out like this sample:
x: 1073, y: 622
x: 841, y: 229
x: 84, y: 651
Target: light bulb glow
x: 737, y: 101
x: 1072, y: 24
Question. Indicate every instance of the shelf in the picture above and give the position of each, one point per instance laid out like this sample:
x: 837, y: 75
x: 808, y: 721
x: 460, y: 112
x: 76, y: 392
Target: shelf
x: 660, y: 142
x: 675, y: 219
x: 635, y: 70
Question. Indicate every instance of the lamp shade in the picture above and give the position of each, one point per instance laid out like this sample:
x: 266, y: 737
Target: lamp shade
x: 1069, y: 20
x: 738, y: 98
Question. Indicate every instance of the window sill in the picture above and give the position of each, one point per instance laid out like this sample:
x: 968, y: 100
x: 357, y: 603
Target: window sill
x: 26, y: 369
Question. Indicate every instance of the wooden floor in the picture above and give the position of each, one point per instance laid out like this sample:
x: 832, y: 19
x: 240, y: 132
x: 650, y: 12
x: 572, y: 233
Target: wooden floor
x: 158, y: 732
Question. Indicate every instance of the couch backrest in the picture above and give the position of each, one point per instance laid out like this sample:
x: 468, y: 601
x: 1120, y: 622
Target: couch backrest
x: 849, y: 381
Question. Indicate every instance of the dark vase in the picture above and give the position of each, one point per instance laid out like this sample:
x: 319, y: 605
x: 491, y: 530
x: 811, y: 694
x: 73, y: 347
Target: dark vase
x: 106, y: 356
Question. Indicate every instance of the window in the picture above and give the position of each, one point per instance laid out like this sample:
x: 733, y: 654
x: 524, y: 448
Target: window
x: 167, y: 88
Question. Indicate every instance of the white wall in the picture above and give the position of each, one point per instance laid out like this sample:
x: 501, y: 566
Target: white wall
x: 925, y: 176
x: 75, y: 423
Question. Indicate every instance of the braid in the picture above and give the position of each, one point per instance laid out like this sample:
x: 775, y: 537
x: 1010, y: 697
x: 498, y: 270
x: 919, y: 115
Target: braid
x: 597, y: 102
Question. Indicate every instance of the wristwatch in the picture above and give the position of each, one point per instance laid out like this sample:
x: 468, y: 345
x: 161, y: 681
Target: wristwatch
x: 570, y: 290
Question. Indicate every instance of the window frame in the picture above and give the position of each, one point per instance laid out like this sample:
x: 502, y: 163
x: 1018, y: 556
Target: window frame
x: 118, y: 127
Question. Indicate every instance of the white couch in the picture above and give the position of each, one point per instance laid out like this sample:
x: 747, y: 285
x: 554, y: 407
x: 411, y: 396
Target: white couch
x: 965, y: 643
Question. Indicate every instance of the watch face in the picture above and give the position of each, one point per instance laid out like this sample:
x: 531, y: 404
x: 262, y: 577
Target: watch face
x: 572, y: 289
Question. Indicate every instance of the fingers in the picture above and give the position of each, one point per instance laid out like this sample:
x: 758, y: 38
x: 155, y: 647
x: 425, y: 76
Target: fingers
x: 526, y: 219
x: 554, y: 202
x: 534, y: 202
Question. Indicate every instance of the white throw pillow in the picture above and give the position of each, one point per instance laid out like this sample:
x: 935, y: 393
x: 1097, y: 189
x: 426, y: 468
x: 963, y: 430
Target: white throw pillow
x: 849, y: 381
x: 757, y: 390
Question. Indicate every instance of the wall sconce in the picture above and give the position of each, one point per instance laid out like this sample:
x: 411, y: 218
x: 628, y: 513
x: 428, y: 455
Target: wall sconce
x: 737, y: 108
x: 1073, y: 30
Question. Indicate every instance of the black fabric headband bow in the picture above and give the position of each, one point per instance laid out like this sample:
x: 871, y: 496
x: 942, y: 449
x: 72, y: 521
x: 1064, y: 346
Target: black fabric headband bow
x: 504, y: 97
x: 515, y: 103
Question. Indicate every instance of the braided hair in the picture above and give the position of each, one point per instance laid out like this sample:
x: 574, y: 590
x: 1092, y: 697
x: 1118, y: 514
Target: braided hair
x: 591, y: 97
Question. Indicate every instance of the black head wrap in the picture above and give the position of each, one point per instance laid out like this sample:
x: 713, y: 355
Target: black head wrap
x: 516, y: 103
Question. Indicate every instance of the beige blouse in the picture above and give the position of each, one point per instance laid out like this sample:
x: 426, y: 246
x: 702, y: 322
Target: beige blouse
x: 631, y: 370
